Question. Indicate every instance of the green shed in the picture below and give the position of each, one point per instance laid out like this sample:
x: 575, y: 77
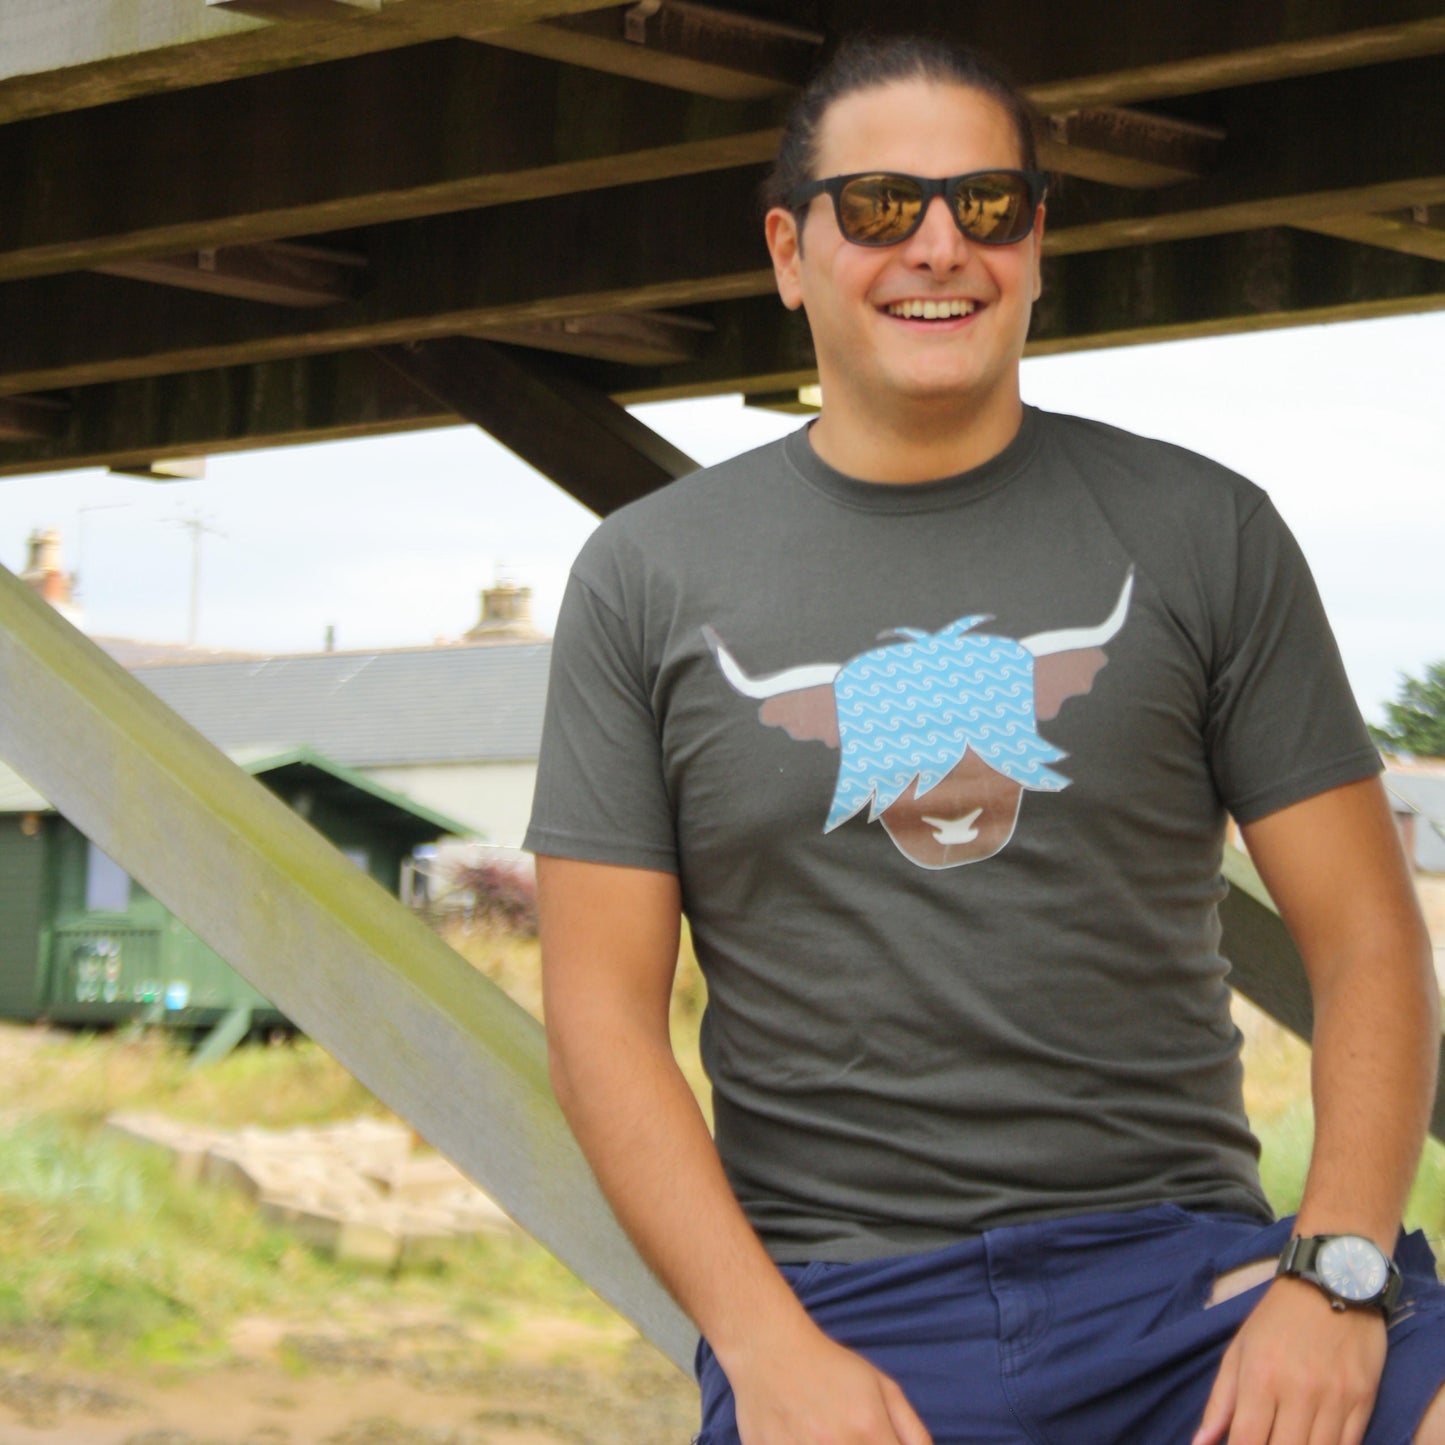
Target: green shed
x: 81, y: 942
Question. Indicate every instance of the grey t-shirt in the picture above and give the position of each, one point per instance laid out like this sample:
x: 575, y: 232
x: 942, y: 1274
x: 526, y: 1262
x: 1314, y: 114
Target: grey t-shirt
x: 943, y: 769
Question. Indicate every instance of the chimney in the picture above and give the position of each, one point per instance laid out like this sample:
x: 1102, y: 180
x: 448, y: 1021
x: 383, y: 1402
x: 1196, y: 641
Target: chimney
x: 506, y: 616
x: 43, y: 572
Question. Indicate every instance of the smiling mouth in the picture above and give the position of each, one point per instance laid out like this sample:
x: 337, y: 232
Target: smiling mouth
x: 932, y: 310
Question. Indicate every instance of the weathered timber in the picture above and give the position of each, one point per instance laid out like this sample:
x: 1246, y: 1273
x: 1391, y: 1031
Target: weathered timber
x: 280, y: 273
x: 576, y: 436
x: 623, y: 249
x: 32, y: 418
x: 1071, y: 55
x: 1418, y: 231
x: 330, y: 397
x: 1213, y: 286
x: 1265, y: 964
x: 1274, y: 169
x: 699, y: 48
x: 58, y: 55
x: 419, y: 131
x: 636, y: 338
x: 443, y: 1046
x: 1125, y: 147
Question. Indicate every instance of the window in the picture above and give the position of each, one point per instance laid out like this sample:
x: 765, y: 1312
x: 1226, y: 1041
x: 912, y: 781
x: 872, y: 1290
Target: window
x: 107, y: 884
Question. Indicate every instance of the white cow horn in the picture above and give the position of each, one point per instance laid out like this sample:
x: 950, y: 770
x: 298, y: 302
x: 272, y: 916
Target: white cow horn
x: 1069, y: 639
x: 794, y: 679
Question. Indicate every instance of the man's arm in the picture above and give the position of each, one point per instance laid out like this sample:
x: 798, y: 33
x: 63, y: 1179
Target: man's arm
x: 1299, y: 1371
x: 609, y: 950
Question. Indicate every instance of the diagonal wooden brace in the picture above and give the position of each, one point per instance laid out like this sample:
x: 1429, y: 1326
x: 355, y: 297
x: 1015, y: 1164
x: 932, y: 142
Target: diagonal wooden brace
x: 416, y: 1024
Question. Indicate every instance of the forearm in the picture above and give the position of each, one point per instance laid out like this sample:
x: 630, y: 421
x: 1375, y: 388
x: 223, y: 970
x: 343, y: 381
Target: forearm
x: 645, y: 1137
x: 1376, y: 1047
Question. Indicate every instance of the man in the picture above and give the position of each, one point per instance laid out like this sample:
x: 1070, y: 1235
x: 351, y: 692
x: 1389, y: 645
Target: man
x: 981, y: 1168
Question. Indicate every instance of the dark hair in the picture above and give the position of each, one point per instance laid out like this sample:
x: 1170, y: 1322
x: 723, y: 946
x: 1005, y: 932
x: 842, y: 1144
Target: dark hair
x: 863, y: 61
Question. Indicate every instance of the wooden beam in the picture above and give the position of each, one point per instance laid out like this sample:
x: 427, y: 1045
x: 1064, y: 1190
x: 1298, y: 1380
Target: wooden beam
x: 1417, y: 231
x: 1265, y: 964
x: 576, y: 436
x: 425, y: 130
x: 280, y: 273
x: 705, y: 49
x: 430, y: 1036
x: 635, y: 338
x: 1124, y: 147
x: 331, y: 397
x: 1214, y: 286
x: 31, y: 418
x: 623, y: 249
x: 1274, y: 169
x: 1072, y: 55
x: 61, y: 55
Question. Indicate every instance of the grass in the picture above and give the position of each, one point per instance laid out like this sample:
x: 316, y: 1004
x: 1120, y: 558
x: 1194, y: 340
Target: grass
x: 106, y: 1255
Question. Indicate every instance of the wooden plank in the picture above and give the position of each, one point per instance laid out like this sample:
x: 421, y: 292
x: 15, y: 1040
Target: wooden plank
x: 60, y: 55
x: 423, y: 1030
x: 1265, y: 964
x: 622, y: 249
x: 1417, y: 231
x: 576, y: 436
x: 1214, y: 286
x: 425, y: 130
x: 636, y: 338
x: 205, y: 413
x: 1123, y: 147
x: 703, y: 49
x: 280, y: 273
x: 1274, y: 168
x: 31, y: 418
x: 1071, y: 55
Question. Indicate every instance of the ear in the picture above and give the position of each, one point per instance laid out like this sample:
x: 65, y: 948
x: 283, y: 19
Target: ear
x: 785, y: 245
x: 1038, y: 253
x: 1062, y: 675
x: 810, y: 714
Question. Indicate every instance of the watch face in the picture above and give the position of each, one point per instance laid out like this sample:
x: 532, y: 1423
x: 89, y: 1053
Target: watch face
x: 1352, y: 1267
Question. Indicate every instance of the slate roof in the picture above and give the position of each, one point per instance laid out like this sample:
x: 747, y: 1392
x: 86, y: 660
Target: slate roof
x: 17, y: 796
x: 1424, y: 794
x: 455, y: 704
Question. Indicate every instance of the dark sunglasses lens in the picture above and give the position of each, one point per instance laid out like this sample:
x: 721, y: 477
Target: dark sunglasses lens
x: 994, y: 208
x: 879, y: 210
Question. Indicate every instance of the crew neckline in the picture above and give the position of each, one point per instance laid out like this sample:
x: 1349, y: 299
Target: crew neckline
x: 939, y: 492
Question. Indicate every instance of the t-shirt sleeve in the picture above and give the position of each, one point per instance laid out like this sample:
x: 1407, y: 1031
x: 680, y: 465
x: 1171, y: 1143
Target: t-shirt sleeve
x: 601, y: 795
x: 1283, y: 724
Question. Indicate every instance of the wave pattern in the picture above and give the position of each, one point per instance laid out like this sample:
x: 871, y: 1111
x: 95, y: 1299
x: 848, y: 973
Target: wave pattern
x: 912, y: 710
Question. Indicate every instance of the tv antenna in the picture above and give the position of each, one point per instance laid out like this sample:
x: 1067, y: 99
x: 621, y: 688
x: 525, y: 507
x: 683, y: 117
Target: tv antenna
x: 198, y: 526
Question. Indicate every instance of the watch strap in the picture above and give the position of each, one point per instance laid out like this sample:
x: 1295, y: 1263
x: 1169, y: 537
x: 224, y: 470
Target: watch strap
x: 1298, y: 1261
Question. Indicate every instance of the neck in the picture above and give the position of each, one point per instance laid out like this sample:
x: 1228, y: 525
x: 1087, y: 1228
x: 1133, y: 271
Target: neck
x: 917, y: 445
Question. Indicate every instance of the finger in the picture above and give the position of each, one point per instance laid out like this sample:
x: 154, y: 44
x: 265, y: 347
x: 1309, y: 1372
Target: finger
x: 1329, y: 1424
x: 902, y: 1416
x: 1219, y: 1408
x: 1357, y: 1422
x: 1254, y: 1423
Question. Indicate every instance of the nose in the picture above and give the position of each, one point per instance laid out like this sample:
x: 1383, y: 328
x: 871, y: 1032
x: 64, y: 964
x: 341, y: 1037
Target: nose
x: 937, y: 244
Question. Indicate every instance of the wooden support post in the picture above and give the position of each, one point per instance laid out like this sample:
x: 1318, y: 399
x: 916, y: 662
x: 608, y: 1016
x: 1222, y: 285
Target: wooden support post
x: 578, y: 437
x: 1266, y: 964
x: 378, y: 989
x: 1128, y: 147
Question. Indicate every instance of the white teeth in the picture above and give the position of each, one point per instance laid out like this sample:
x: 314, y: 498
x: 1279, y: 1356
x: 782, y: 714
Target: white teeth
x: 930, y: 310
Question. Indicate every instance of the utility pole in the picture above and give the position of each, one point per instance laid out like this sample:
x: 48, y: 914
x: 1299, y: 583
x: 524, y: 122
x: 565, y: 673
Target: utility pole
x: 197, y: 526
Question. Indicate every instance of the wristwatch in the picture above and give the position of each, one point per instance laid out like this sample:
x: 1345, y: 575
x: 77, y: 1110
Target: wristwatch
x: 1353, y: 1272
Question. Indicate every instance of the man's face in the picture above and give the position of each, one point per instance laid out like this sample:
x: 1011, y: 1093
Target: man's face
x: 870, y: 358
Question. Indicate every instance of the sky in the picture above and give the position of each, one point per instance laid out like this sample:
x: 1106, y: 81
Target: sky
x: 391, y: 540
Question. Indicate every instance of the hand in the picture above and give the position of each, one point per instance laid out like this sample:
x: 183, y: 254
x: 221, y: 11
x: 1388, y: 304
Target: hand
x: 1297, y: 1373
x: 815, y: 1392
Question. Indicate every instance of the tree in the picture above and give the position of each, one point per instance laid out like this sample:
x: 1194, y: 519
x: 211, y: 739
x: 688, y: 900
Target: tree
x: 1417, y: 719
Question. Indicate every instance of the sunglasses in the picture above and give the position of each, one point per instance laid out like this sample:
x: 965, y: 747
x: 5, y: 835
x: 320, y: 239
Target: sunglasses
x: 882, y: 208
